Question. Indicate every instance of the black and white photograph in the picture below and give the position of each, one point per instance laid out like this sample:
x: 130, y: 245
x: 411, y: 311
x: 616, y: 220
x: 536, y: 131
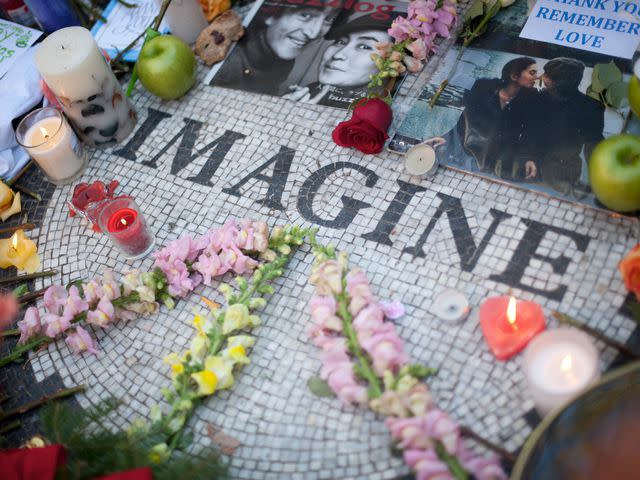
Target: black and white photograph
x: 316, y: 52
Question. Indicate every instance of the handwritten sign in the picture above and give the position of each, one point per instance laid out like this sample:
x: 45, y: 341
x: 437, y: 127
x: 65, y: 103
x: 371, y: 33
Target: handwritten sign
x: 123, y: 25
x: 14, y: 40
x: 610, y: 27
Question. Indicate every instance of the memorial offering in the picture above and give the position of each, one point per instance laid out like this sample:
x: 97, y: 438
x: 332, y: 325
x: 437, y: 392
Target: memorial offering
x: 559, y: 364
x: 316, y: 52
x: 508, y: 325
x: 76, y: 72
x: 364, y: 363
x: 14, y: 40
x: 50, y: 141
x: 120, y: 218
x: 20, y: 252
x: 527, y: 113
x: 265, y: 350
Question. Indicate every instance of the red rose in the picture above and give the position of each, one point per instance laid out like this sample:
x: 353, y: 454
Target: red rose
x: 630, y: 270
x: 367, y: 128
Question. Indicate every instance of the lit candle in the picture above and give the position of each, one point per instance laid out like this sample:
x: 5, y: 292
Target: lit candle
x: 73, y: 68
x: 186, y: 19
x: 50, y: 141
x: 558, y: 365
x: 508, y: 325
x: 20, y: 252
x: 121, y: 220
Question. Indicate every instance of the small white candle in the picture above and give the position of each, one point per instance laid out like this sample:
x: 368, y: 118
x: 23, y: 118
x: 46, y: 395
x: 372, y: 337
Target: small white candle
x: 559, y: 364
x: 421, y: 160
x: 50, y: 141
x: 186, y: 19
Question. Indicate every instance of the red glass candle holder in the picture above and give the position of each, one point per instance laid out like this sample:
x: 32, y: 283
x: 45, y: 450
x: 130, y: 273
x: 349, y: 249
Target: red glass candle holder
x: 122, y: 220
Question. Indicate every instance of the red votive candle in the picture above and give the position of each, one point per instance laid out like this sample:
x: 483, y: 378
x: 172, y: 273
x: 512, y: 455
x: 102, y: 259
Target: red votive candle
x: 509, y: 324
x: 123, y: 222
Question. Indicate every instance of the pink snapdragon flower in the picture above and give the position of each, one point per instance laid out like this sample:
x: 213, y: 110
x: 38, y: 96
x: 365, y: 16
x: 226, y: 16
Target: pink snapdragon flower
x: 385, y: 349
x: 337, y: 371
x: 55, y: 324
x: 427, y: 465
x: 481, y: 467
x: 323, y: 313
x: 327, y: 278
x: 172, y: 261
x: 359, y: 291
x: 74, y: 303
x: 368, y: 321
x: 103, y: 314
x: 55, y: 297
x: 30, y: 325
x: 418, y: 49
x: 81, y: 341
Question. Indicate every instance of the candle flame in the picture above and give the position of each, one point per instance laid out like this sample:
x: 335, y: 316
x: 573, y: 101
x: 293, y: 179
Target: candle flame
x: 44, y: 132
x: 14, y: 241
x: 567, y: 363
x: 511, y: 312
x: 123, y: 221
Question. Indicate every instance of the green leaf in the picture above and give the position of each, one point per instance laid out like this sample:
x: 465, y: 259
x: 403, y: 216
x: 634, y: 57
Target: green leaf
x: 592, y: 94
x: 616, y: 94
x: 21, y: 290
x: 634, y: 306
x: 319, y: 387
x: 477, y: 8
x: 604, y: 75
x: 421, y: 372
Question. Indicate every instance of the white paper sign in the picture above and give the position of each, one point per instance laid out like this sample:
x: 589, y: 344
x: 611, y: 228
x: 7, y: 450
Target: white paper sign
x: 610, y: 27
x: 124, y: 25
x: 14, y: 40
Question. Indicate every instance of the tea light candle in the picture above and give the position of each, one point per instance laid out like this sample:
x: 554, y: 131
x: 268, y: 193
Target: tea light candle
x: 509, y: 324
x: 123, y: 222
x: 421, y: 160
x: 20, y: 252
x: 50, y: 141
x: 558, y: 365
x: 186, y: 19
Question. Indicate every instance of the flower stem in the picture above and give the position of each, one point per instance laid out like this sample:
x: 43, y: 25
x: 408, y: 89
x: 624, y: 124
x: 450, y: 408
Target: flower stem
x: 467, y: 432
x: 30, y: 276
x: 452, y: 462
x: 375, y: 389
x: 10, y: 333
x: 567, y: 320
x: 43, y: 339
x: 62, y: 393
x: 467, y: 41
x: 10, y: 426
x: 24, y: 226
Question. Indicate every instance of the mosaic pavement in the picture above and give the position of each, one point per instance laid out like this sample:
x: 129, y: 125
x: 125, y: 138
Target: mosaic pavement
x: 219, y: 154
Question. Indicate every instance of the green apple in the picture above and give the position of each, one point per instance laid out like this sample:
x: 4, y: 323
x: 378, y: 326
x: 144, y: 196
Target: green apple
x: 614, y: 172
x: 167, y: 67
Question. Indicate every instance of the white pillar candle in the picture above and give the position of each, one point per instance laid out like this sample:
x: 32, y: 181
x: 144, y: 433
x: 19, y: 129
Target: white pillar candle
x: 186, y: 19
x: 72, y: 66
x: 558, y: 365
x: 421, y: 160
x: 50, y: 141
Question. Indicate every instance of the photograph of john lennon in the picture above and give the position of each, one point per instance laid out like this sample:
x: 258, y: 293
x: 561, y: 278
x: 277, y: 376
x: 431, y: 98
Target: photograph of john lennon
x: 312, y: 51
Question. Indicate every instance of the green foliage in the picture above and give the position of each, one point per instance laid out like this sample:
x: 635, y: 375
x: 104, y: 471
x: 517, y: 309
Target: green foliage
x: 477, y: 18
x: 319, y: 387
x: 607, y: 85
x: 95, y: 450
